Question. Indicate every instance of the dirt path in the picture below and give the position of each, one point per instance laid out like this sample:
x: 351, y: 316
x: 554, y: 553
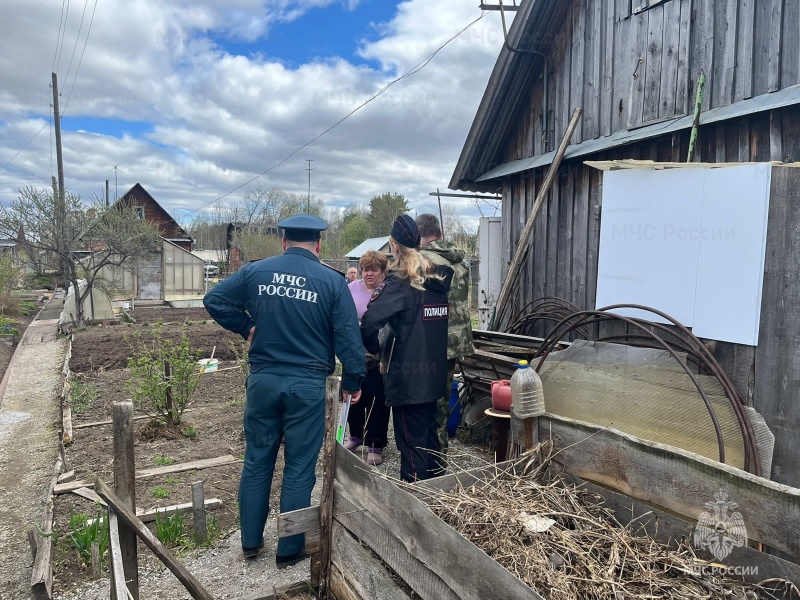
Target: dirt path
x: 28, y: 449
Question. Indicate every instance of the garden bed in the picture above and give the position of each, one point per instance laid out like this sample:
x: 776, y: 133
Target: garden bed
x: 210, y: 428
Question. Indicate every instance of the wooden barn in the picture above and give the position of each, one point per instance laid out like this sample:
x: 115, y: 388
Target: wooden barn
x: 634, y: 67
x: 150, y: 210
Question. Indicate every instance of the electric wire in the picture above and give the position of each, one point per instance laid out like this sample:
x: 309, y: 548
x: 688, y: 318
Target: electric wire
x: 26, y: 145
x: 83, y: 51
x: 58, y: 35
x: 63, y: 37
x: 415, y: 69
x: 77, y: 39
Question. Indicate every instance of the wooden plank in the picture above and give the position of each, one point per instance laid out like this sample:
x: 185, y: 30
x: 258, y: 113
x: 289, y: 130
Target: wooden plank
x: 774, y: 83
x: 638, y: 25
x: 199, y: 512
x: 777, y: 370
x: 580, y: 227
x: 702, y: 51
x: 578, y: 66
x: 298, y: 521
x: 89, y: 494
x: 116, y: 568
x: 607, y: 106
x: 192, y: 585
x: 125, y: 488
x: 332, y: 391
x: 745, y: 48
x: 725, y: 30
x: 66, y: 425
x: 594, y: 181
x: 205, y: 463
x: 42, y: 575
x: 149, y: 516
x: 776, y: 135
x: 653, y: 75
x: 110, y: 421
x: 357, y: 573
x: 67, y: 477
x: 563, y: 70
x: 790, y: 45
x: 592, y: 59
x: 419, y: 576
x: 677, y: 480
x: 565, y: 233
x: 682, y: 100
x: 762, y: 37
x: 670, y: 56
x: 552, y: 241
x: 434, y: 543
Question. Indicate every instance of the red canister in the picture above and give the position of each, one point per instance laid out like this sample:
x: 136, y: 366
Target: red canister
x: 501, y: 395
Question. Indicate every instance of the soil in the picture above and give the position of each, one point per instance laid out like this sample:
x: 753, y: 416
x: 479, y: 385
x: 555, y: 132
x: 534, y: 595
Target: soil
x: 211, y: 427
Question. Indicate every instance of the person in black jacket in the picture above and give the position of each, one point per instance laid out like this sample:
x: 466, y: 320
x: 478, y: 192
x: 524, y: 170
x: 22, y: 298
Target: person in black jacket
x: 413, y: 301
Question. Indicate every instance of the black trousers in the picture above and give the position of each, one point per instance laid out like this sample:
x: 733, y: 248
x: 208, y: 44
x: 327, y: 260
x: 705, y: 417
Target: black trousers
x: 415, y: 434
x: 369, y: 418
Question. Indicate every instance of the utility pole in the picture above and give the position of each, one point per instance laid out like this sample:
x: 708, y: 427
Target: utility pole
x: 59, y: 156
x: 61, y: 213
x: 308, y: 200
x: 106, y: 192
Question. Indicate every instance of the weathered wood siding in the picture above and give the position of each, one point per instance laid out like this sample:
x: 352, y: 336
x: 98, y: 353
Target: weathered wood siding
x: 563, y: 257
x: 627, y: 70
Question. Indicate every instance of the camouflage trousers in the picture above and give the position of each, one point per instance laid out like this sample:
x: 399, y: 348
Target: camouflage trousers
x: 443, y: 411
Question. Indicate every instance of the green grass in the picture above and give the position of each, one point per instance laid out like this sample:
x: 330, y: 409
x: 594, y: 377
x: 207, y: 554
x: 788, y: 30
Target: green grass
x: 190, y: 431
x: 163, y: 461
x: 169, y: 530
x: 81, y: 395
x: 83, y: 534
x: 170, y: 481
x: 160, y: 493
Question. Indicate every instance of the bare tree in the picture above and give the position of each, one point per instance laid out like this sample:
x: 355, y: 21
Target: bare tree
x: 82, y: 239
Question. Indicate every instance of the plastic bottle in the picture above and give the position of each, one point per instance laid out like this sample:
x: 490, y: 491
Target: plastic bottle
x: 527, y: 396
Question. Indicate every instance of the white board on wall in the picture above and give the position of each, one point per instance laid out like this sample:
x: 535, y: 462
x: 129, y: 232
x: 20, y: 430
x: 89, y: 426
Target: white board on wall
x: 689, y: 242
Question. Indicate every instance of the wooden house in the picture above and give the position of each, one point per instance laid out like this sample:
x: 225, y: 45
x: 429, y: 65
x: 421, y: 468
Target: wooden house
x: 634, y: 67
x: 148, y: 209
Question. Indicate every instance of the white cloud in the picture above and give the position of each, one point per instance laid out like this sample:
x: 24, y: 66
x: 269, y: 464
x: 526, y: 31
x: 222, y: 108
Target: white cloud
x: 217, y: 120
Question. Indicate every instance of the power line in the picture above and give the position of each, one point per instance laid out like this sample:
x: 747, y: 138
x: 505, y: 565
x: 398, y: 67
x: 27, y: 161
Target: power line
x: 63, y: 35
x: 26, y: 145
x: 80, y: 61
x: 77, y: 39
x: 58, y: 35
x: 414, y: 70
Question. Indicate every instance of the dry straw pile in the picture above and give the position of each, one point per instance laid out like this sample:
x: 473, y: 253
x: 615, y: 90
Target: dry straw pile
x: 564, y: 544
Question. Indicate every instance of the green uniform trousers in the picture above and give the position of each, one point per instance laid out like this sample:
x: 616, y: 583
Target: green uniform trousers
x: 291, y: 408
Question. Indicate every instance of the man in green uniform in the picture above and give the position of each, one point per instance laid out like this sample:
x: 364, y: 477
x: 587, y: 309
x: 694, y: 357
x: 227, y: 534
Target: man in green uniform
x: 459, y: 330
x: 297, y: 313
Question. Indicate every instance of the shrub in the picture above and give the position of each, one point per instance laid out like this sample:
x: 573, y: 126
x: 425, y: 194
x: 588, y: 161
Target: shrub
x: 164, y: 375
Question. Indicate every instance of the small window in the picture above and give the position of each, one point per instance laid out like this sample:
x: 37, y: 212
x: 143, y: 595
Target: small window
x: 139, y: 210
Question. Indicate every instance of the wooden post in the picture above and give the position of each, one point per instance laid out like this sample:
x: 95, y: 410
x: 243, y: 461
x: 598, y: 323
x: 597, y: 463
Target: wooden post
x: 522, y: 245
x: 95, y: 560
x: 125, y: 488
x: 170, y: 408
x: 127, y: 516
x: 63, y: 453
x: 115, y: 567
x: 326, y: 501
x: 32, y: 542
x: 199, y: 512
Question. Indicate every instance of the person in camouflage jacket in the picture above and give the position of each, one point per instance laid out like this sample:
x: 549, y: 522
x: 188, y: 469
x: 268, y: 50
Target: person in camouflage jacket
x: 459, y: 333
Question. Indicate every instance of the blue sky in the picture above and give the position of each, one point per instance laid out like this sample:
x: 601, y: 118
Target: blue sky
x: 323, y: 32
x: 195, y: 100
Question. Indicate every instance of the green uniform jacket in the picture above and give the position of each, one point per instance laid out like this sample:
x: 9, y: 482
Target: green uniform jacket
x: 459, y: 331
